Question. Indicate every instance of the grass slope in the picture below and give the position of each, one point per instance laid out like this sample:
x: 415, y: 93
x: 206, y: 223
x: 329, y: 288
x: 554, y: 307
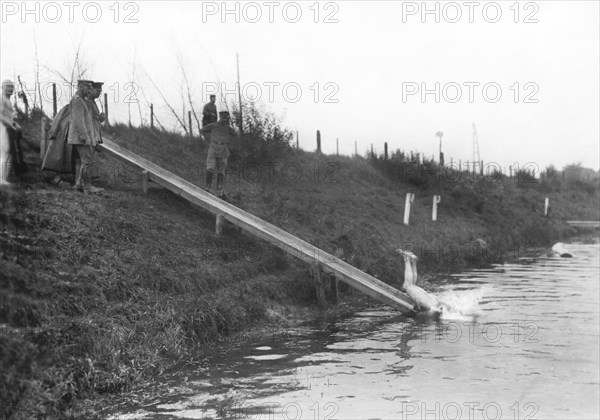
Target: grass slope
x: 101, y: 292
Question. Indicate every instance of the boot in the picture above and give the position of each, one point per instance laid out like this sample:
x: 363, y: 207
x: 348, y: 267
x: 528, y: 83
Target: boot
x: 5, y: 172
x: 20, y: 165
x: 209, y: 178
x: 78, y: 185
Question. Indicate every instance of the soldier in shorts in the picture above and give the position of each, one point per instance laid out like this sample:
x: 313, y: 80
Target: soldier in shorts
x: 219, y: 134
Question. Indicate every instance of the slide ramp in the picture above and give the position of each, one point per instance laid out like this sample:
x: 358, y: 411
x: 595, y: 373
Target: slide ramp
x: 264, y: 230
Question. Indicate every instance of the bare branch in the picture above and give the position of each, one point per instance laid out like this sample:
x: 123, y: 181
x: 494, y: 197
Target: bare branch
x: 166, y: 102
x: 212, y: 64
x: 56, y: 73
x: 189, y: 93
x: 37, y: 75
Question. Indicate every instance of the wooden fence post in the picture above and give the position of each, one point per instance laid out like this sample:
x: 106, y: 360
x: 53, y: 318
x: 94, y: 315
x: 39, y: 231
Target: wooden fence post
x: 334, y: 284
x: 410, y: 197
x: 318, y: 141
x: 320, y: 288
x: 436, y: 200
x: 54, y: 109
x: 42, y: 139
x: 152, y: 116
x: 145, y: 181
x: 106, y: 109
x: 219, y: 225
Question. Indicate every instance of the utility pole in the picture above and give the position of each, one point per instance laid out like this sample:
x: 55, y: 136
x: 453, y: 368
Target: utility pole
x: 237, y: 58
x: 440, y: 135
x: 476, y: 157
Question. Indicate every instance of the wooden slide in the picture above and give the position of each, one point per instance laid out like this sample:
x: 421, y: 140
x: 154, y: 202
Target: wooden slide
x: 264, y: 230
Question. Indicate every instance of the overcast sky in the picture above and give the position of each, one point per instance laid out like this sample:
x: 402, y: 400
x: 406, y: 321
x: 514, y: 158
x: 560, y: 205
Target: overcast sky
x: 526, y: 73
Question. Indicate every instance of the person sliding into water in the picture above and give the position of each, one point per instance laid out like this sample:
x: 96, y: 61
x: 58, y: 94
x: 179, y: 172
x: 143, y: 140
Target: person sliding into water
x: 423, y: 300
x: 559, y: 250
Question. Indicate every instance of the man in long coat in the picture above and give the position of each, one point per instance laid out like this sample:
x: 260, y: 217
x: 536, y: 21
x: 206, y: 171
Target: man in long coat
x: 83, y: 135
x: 58, y: 153
x: 98, y: 117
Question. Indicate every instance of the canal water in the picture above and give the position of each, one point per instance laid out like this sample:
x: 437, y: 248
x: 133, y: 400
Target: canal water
x: 531, y: 351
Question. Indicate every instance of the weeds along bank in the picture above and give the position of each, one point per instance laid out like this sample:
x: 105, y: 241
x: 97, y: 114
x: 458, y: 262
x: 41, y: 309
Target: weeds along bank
x: 353, y: 207
x: 99, y: 293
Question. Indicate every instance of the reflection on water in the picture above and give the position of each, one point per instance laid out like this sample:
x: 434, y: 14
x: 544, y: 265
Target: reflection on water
x: 532, y: 352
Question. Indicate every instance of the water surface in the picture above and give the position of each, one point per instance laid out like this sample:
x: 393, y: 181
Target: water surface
x: 532, y: 352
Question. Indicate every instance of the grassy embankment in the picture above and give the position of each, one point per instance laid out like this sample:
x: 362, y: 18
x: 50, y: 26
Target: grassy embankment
x: 101, y: 292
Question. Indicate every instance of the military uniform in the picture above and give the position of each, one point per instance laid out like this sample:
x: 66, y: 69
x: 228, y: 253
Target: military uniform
x: 97, y: 119
x: 83, y: 135
x: 218, y: 150
x: 58, y: 156
x: 209, y: 114
x: 220, y: 134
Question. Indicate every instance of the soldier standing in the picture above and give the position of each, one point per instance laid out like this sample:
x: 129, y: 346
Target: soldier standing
x: 209, y: 113
x: 97, y: 116
x: 220, y: 135
x: 83, y: 135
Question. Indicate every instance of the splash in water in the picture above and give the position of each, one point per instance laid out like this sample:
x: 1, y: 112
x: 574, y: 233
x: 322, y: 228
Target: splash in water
x: 461, y: 305
x: 456, y: 305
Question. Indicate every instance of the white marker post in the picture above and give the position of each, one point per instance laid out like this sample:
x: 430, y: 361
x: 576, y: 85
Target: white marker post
x: 437, y: 199
x: 546, y: 205
x: 410, y: 197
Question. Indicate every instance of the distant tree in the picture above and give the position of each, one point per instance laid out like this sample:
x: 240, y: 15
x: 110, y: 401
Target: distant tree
x: 264, y: 135
x: 573, y: 172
